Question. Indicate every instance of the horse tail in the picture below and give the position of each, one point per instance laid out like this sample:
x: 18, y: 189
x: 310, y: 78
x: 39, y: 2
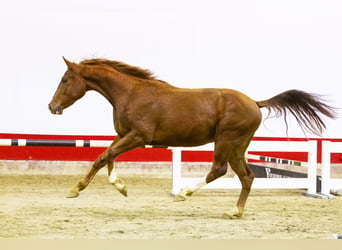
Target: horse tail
x: 307, y: 108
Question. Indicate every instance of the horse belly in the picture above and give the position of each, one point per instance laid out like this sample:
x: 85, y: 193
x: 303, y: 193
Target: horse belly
x: 185, y: 132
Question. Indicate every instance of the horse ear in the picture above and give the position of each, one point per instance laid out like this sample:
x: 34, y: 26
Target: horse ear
x: 70, y: 65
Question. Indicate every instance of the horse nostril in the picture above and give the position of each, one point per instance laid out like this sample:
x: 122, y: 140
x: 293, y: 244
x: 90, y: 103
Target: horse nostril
x: 51, y: 108
x: 56, y: 110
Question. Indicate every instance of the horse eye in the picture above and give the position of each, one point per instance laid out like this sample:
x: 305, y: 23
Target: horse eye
x: 64, y: 80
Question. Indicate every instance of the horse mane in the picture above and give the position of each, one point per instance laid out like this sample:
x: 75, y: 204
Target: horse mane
x: 122, y: 67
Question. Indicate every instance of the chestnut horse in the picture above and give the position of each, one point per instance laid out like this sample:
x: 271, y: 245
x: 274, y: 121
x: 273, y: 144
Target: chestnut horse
x: 148, y: 111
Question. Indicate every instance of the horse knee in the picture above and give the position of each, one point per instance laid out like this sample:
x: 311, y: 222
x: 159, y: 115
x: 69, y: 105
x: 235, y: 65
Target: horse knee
x: 100, y: 162
x: 104, y: 159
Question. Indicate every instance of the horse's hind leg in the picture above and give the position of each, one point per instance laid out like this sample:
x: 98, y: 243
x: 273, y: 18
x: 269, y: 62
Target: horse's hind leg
x: 218, y: 169
x: 238, y: 163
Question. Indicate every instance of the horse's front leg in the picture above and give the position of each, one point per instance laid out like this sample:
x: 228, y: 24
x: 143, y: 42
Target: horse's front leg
x: 118, y: 183
x: 113, y: 179
x: 128, y: 142
x: 100, y: 162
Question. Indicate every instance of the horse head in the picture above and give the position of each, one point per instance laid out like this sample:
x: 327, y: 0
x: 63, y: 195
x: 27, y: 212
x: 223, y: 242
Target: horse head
x: 71, y: 88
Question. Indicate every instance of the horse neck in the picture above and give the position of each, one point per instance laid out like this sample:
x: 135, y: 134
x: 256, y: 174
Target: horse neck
x: 114, y: 86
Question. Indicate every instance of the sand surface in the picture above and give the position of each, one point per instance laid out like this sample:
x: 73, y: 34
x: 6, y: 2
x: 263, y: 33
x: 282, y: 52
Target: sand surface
x: 34, y: 206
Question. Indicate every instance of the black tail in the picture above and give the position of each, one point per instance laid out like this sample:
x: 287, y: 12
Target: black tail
x: 305, y: 107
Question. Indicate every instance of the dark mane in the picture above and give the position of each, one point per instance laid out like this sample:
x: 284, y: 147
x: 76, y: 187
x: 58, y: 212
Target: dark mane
x: 122, y: 67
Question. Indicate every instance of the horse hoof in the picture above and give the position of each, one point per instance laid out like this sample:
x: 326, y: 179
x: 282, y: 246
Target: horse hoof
x: 123, y: 191
x: 121, y: 187
x: 179, y: 197
x: 228, y: 216
x: 73, y: 194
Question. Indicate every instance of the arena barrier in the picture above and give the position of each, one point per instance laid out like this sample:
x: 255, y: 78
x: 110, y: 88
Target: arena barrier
x: 55, y: 143
x: 309, y: 183
x: 60, y: 143
x: 328, y: 184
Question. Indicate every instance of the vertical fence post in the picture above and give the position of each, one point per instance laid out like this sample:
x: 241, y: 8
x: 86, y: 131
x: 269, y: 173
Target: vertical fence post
x: 176, y: 169
x: 325, y: 184
x: 312, y: 168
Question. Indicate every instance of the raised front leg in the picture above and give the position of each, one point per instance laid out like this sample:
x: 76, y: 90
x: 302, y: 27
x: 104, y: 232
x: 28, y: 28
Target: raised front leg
x: 124, y: 144
x: 112, y: 177
x: 118, y: 183
x: 99, y: 163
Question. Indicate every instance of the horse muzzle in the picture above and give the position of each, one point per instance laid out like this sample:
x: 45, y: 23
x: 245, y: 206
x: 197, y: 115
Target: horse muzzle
x: 56, y: 110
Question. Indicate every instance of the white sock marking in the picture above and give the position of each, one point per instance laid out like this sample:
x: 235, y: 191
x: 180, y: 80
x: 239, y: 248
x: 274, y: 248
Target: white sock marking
x: 112, y: 178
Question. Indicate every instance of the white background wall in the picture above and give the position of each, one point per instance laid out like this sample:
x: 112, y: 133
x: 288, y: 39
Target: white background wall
x: 258, y: 47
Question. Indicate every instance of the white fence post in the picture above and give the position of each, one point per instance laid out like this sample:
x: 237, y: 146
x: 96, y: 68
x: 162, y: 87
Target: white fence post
x: 326, y: 153
x: 312, y: 168
x: 176, y: 169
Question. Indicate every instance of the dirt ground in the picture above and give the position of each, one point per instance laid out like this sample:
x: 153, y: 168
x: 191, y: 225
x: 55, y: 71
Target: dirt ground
x: 35, y: 207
